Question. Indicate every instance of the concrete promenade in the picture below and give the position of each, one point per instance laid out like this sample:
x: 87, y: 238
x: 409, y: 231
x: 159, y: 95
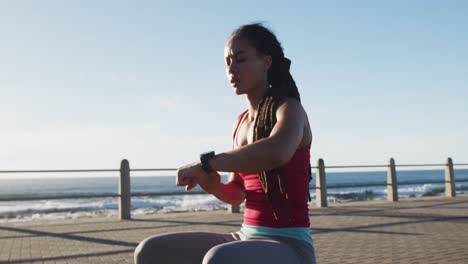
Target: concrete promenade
x: 417, y: 230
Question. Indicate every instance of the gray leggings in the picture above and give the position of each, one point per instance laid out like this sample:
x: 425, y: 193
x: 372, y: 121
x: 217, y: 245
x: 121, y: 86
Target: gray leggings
x: 209, y: 248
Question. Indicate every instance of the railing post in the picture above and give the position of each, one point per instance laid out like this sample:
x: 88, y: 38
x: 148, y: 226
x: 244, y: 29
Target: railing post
x: 124, y: 190
x: 233, y: 209
x: 392, y: 184
x: 321, y: 185
x: 449, y: 179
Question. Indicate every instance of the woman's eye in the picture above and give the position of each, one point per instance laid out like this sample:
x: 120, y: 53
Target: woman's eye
x: 240, y: 60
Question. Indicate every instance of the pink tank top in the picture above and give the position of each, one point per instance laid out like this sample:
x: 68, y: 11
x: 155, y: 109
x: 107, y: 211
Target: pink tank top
x: 257, y: 209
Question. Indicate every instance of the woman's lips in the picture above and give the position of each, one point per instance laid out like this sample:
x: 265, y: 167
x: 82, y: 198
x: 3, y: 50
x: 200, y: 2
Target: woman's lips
x: 234, y: 81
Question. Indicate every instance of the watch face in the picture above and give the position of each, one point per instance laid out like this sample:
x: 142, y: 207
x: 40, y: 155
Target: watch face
x: 208, y: 154
x: 204, y: 157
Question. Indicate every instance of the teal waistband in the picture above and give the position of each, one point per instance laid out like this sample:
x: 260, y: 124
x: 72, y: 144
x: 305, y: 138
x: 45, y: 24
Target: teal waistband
x: 302, y: 233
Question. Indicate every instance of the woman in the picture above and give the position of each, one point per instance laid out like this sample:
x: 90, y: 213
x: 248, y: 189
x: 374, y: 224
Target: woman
x: 269, y: 167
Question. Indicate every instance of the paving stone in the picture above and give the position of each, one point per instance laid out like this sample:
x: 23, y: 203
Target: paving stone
x: 417, y: 230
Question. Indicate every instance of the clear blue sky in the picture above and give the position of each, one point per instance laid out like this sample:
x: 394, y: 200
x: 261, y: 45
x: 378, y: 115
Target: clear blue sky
x: 84, y: 84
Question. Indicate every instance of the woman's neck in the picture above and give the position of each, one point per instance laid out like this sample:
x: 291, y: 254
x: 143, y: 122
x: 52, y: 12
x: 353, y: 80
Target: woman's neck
x: 253, y: 101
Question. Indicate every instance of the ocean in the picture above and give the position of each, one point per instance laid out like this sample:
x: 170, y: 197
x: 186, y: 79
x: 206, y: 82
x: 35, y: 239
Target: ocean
x: 15, y: 211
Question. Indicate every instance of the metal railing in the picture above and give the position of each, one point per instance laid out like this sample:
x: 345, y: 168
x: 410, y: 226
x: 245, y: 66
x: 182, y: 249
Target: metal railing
x: 124, y: 195
x: 392, y: 183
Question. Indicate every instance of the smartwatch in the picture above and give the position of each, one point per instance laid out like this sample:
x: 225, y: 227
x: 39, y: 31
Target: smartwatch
x: 204, y: 158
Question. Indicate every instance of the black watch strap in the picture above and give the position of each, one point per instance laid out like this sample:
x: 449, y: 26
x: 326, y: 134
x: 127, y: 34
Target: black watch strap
x: 204, y: 158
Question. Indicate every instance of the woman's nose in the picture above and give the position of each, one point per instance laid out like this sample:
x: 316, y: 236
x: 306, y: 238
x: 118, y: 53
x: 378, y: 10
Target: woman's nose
x: 232, y: 68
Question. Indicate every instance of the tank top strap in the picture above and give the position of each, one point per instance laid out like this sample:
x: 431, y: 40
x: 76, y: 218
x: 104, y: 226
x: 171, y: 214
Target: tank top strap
x: 239, y: 121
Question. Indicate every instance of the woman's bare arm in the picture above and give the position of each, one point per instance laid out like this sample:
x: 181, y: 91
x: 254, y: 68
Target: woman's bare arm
x: 265, y: 154
x: 232, y: 192
x: 271, y: 152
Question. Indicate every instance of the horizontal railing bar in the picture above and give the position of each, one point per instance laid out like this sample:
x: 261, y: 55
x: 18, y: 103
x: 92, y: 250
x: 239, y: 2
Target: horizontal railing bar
x: 53, y: 171
x: 56, y: 197
x: 167, y: 193
x: 174, y: 169
x: 384, y: 184
x: 386, y: 166
x: 355, y: 185
x: 420, y: 165
x: 420, y: 182
x: 97, y: 170
x: 383, y: 166
x: 355, y: 166
x: 163, y: 169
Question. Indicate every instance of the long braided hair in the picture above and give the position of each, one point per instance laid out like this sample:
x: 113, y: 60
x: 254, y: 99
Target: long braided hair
x: 281, y: 86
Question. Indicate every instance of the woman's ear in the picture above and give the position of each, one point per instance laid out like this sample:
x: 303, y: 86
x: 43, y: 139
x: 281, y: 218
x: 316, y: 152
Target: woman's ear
x: 267, y: 61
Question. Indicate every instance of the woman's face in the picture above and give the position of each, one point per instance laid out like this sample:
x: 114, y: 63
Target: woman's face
x: 246, y: 69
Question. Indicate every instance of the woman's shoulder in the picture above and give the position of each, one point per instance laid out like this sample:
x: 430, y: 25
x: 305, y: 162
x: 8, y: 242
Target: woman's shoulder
x: 290, y: 105
x: 289, y: 101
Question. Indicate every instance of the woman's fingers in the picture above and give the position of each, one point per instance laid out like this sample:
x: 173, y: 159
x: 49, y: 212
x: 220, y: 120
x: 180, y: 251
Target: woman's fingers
x: 188, y: 182
x: 186, y: 173
x: 190, y: 176
x: 191, y: 185
x: 183, y: 180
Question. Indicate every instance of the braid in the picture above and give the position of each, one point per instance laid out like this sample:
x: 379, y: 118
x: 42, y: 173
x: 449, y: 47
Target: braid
x: 282, y: 86
x: 264, y: 122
